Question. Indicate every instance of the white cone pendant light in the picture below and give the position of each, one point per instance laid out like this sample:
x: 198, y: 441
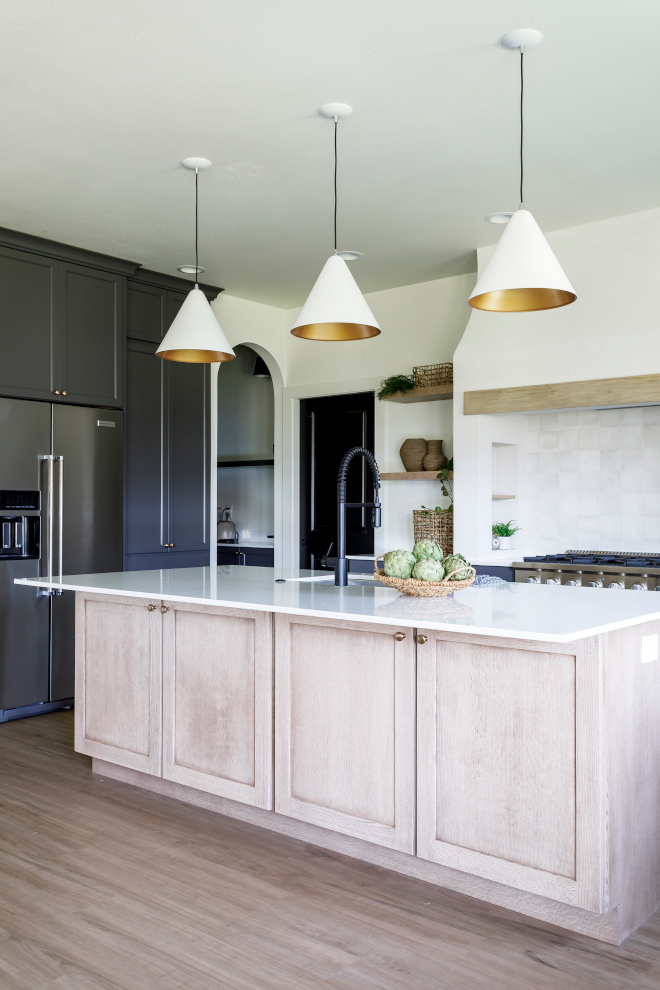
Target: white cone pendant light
x: 195, y: 336
x: 335, y: 308
x: 523, y: 275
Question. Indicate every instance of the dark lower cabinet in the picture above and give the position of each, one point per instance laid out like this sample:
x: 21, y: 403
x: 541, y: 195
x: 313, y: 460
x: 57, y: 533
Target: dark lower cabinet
x: 245, y: 556
x: 166, y: 461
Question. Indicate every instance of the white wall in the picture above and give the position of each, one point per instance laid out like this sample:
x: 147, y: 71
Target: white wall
x: 610, y: 331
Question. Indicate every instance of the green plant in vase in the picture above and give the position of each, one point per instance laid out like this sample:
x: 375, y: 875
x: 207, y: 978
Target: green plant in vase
x: 503, y: 533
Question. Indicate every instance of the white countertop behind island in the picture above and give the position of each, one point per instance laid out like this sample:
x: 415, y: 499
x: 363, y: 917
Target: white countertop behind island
x: 517, y: 611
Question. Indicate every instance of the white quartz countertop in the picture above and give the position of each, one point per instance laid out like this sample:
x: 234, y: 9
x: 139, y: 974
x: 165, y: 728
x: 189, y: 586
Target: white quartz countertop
x: 554, y: 614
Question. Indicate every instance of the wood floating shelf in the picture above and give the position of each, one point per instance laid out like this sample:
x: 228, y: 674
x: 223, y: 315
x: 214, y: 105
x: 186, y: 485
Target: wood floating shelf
x: 245, y: 463
x: 502, y: 496
x: 598, y: 392
x: 427, y: 393
x: 414, y: 476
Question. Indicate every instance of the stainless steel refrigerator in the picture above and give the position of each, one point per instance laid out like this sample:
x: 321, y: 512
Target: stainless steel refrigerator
x: 60, y: 512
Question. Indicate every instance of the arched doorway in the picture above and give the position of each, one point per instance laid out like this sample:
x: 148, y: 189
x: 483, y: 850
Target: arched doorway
x: 246, y: 452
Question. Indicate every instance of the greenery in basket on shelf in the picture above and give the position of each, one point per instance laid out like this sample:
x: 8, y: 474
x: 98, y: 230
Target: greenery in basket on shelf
x: 394, y: 384
x: 505, y: 529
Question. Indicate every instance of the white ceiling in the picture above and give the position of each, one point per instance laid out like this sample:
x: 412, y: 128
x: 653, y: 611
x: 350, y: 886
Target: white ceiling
x: 100, y: 101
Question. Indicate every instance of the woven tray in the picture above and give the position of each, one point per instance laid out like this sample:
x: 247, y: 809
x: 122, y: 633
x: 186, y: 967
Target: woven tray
x: 423, y: 589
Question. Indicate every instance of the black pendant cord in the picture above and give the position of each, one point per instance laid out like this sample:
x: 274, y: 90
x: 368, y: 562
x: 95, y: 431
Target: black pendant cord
x: 522, y: 87
x: 196, y: 224
x: 336, y: 119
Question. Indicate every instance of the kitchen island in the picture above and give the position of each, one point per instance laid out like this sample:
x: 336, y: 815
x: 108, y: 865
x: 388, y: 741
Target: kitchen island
x: 503, y: 742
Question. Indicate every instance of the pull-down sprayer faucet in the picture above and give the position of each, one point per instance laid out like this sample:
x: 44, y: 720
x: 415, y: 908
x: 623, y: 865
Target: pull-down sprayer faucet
x: 341, y: 564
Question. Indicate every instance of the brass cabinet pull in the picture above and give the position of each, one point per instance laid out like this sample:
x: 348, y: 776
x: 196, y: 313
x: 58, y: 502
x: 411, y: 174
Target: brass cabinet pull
x: 422, y: 639
x: 399, y: 636
x: 168, y: 544
x: 164, y: 608
x: 57, y: 392
x: 64, y: 392
x: 152, y: 608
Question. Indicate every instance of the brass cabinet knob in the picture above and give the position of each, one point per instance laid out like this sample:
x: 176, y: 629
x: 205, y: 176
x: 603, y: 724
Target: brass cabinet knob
x: 64, y: 392
x: 152, y: 608
x: 57, y: 392
x: 422, y: 639
x: 399, y: 636
x: 164, y: 608
x: 168, y: 544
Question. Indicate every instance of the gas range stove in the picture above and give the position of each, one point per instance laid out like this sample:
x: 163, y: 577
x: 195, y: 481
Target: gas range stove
x: 592, y: 569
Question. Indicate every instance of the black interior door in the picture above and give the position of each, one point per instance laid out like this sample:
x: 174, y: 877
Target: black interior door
x: 329, y: 427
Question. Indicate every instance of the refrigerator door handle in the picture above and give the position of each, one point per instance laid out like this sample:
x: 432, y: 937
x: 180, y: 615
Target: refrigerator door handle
x: 60, y: 547
x: 50, y: 517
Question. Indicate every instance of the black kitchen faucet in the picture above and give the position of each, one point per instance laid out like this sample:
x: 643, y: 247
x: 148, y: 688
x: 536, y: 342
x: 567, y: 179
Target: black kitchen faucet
x: 341, y: 564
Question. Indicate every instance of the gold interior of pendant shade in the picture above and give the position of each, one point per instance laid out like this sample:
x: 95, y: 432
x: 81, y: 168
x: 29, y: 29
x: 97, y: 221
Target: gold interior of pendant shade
x: 335, y: 331
x: 193, y: 356
x: 522, y: 300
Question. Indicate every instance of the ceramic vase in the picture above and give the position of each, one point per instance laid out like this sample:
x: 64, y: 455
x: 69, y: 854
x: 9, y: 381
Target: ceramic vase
x: 505, y: 542
x: 412, y: 454
x: 434, y: 459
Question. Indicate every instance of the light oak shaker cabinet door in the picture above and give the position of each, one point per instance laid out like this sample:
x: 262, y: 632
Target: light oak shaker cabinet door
x: 218, y: 701
x: 509, y: 767
x: 345, y: 728
x: 118, y: 680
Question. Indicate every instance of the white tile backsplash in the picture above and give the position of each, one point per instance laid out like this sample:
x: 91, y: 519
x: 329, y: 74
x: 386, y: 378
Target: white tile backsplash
x: 632, y: 417
x: 593, y: 480
x: 569, y: 460
x: 589, y: 460
x: 549, y: 440
x: 650, y: 415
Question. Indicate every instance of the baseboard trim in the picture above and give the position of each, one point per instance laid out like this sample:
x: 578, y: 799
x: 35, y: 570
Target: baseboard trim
x: 603, y: 927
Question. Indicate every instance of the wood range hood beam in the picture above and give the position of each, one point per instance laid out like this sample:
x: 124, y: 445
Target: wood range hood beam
x: 599, y: 392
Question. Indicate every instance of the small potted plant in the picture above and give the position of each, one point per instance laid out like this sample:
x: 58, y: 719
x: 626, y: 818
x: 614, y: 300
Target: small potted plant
x: 503, y: 534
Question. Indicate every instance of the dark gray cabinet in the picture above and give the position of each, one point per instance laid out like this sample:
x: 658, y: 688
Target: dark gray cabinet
x: 167, y: 457
x: 146, y: 312
x: 245, y: 556
x: 61, y: 330
x: 29, y: 354
x: 91, y: 335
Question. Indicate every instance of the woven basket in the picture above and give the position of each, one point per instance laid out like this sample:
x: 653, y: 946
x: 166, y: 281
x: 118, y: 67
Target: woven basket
x: 436, y: 526
x: 433, y: 374
x: 423, y: 589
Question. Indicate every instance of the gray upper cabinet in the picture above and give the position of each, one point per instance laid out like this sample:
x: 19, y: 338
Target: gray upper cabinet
x: 61, y: 330
x: 91, y: 305
x: 146, y: 312
x: 28, y: 310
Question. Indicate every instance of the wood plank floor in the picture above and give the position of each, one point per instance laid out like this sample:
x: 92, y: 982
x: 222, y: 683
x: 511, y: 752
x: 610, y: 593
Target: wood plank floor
x: 107, y: 887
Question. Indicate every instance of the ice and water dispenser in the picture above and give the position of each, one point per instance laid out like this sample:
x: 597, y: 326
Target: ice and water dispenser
x: 19, y: 532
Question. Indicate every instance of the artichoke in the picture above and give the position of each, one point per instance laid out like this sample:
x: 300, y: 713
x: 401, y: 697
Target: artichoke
x: 427, y: 550
x: 397, y: 564
x: 428, y: 570
x: 455, y: 561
